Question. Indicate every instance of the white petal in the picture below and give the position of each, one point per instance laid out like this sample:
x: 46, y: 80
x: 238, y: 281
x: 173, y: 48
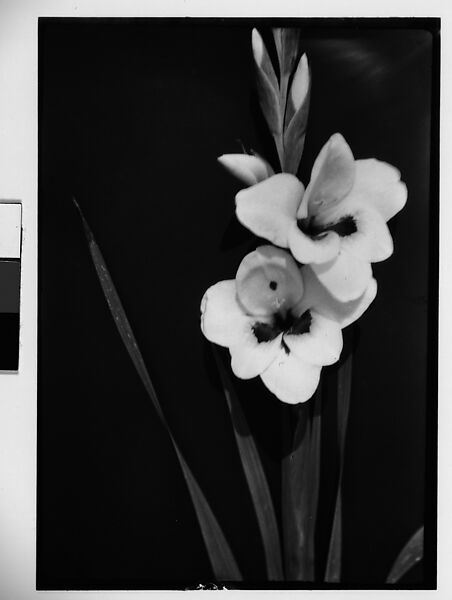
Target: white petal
x: 223, y: 321
x: 351, y: 311
x: 250, y: 358
x: 372, y: 240
x: 346, y: 277
x: 268, y: 281
x: 378, y: 184
x: 332, y: 175
x: 269, y: 208
x: 321, y: 345
x: 291, y: 380
x: 317, y: 298
x: 319, y: 249
x: 247, y: 167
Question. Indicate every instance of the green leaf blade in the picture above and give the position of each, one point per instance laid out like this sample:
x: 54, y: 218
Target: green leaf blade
x: 409, y: 556
x: 298, y: 91
x: 262, y: 59
x: 221, y: 558
x: 334, y: 560
x: 287, y: 40
x: 269, y: 101
x: 344, y: 382
x: 268, y: 92
x: 220, y: 555
x: 255, y: 477
x: 295, y: 134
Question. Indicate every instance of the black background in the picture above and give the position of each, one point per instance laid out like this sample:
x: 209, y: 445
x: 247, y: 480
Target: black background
x: 132, y: 115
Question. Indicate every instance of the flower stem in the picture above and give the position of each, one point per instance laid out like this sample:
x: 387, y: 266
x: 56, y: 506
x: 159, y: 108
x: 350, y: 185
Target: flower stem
x: 282, y: 110
x: 300, y: 488
x: 279, y: 143
x: 283, y: 96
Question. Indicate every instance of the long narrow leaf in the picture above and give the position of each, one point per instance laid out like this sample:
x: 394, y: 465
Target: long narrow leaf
x: 220, y: 554
x: 334, y: 561
x: 299, y: 89
x: 287, y: 48
x: 287, y: 42
x: 255, y: 476
x: 295, y: 134
x: 269, y: 101
x: 262, y: 58
x: 277, y: 35
x: 344, y: 382
x: 222, y: 560
x: 268, y: 92
x: 411, y: 554
x: 314, y: 471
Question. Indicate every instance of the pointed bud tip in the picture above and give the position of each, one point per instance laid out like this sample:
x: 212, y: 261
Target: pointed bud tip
x: 304, y: 61
x: 226, y: 159
x: 255, y: 35
x: 258, y: 46
x: 300, y: 84
x: 228, y: 162
x: 337, y: 140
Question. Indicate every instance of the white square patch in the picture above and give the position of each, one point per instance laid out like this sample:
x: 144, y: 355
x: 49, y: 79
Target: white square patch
x: 10, y: 229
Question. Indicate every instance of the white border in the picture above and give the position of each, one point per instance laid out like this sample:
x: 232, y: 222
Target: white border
x: 18, y: 179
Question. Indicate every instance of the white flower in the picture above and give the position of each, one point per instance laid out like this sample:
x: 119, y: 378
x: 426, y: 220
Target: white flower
x: 279, y: 322
x: 338, y: 225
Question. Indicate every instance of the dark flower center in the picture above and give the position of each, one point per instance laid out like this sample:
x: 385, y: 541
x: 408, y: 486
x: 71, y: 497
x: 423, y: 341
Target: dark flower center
x: 265, y: 332
x: 343, y: 227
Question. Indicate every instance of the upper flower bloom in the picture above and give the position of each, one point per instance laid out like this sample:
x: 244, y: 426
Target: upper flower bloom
x: 279, y: 322
x: 338, y: 224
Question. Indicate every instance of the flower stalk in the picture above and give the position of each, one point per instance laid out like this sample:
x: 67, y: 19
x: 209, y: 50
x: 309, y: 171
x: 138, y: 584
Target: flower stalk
x: 282, y: 316
x: 300, y: 488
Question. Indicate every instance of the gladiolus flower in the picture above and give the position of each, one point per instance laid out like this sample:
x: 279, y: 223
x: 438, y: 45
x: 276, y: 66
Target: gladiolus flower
x: 338, y: 224
x: 279, y: 322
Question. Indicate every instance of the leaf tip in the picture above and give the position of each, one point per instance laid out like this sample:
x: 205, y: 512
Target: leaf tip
x: 88, y: 231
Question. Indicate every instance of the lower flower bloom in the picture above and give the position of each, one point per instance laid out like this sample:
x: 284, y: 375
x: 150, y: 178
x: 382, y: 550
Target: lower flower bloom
x: 279, y: 322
